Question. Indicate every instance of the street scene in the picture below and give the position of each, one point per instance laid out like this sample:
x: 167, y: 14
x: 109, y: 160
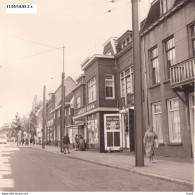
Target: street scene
x: 97, y: 96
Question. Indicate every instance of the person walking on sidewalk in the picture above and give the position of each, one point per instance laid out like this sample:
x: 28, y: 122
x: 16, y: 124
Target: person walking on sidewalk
x: 149, y: 139
x: 66, y: 142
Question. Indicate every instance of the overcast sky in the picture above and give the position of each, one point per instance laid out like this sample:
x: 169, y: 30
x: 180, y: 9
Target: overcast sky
x: 29, y: 49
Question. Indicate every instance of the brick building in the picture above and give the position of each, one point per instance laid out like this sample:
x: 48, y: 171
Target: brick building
x: 104, y: 97
x: 168, y: 65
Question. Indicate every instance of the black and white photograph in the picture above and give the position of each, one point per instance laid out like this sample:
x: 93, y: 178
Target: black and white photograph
x: 97, y: 96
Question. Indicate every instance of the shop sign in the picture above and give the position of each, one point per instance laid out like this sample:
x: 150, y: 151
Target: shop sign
x: 86, y: 109
x: 112, y: 122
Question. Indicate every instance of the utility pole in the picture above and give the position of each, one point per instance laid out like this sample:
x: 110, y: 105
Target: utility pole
x: 44, y: 118
x: 62, y: 105
x: 138, y: 126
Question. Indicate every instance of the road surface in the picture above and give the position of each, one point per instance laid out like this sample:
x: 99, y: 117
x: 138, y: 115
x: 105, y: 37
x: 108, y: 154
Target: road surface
x: 26, y: 169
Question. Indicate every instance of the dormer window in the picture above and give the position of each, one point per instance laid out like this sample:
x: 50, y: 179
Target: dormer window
x: 167, y: 5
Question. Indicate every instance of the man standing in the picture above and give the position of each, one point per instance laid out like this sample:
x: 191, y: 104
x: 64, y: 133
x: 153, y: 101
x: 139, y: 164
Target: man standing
x: 66, y: 142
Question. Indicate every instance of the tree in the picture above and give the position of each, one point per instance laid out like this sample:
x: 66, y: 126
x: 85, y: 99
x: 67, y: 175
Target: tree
x: 32, y: 116
x: 16, y: 126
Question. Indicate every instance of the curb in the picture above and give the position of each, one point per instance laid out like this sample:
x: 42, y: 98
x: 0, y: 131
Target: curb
x: 144, y: 173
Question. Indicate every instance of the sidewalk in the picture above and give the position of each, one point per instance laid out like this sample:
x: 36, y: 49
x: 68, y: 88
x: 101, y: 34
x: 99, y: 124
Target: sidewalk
x: 180, y: 171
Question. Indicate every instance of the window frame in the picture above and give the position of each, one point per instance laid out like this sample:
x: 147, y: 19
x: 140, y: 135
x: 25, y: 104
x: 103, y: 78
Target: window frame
x: 113, y: 88
x: 191, y: 39
x: 167, y: 51
x: 78, y: 105
x: 154, y: 114
x: 155, y: 72
x: 171, y: 120
x: 124, y: 78
x: 92, y: 95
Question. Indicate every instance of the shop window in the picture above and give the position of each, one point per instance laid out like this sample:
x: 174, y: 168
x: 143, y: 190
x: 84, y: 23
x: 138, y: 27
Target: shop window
x: 92, y: 90
x: 109, y: 86
x: 170, y: 53
x: 78, y: 102
x: 154, y: 65
x: 92, y: 128
x: 157, y: 120
x: 174, y: 120
x: 126, y: 82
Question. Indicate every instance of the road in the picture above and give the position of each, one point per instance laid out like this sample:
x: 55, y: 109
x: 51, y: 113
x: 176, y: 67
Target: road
x: 30, y: 170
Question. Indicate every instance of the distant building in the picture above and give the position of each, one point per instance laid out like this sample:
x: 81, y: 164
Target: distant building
x: 168, y: 68
x: 55, y: 112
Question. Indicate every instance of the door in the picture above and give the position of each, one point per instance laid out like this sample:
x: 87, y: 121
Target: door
x: 191, y: 109
x: 112, y: 131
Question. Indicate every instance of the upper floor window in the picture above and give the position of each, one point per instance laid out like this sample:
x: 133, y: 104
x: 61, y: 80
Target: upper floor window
x: 92, y: 90
x: 170, y: 53
x: 78, y: 102
x: 109, y: 86
x: 193, y: 38
x: 126, y: 81
x: 155, y: 65
x: 167, y: 5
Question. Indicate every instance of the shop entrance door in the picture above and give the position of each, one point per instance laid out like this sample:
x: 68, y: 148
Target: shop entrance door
x: 112, y: 131
x: 192, y: 108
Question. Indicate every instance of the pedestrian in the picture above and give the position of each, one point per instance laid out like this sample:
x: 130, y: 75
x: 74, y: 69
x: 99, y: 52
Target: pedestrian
x: 66, y: 142
x: 81, y: 144
x: 149, y: 139
x: 22, y: 141
x: 76, y: 144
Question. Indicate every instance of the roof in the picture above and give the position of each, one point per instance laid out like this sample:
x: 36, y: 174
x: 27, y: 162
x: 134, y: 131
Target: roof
x: 155, y: 13
x: 94, y: 57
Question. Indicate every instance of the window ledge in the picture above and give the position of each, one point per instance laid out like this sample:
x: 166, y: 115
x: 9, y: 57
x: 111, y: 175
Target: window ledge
x: 155, y: 85
x: 165, y: 82
x: 175, y: 144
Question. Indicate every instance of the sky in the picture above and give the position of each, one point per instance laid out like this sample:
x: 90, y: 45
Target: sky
x: 31, y: 54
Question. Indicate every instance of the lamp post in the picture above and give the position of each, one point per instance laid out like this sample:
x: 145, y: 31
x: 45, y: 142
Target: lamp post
x: 139, y: 153
x: 44, y: 119
x: 62, y: 105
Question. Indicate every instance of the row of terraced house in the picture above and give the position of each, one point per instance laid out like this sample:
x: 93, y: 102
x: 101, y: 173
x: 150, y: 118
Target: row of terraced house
x: 99, y: 104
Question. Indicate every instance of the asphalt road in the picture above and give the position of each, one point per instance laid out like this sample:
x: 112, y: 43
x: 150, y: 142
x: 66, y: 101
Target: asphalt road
x: 32, y: 170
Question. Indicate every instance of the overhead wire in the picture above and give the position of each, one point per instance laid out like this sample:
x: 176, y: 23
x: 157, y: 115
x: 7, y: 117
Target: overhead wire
x: 29, y: 56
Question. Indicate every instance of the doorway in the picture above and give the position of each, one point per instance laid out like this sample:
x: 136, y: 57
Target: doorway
x: 112, y: 131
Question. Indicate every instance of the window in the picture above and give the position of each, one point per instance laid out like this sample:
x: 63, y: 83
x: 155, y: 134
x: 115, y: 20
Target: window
x: 92, y: 90
x: 78, y: 102
x: 108, y: 52
x: 167, y: 5
x: 157, y: 120
x: 109, y: 85
x: 170, y: 53
x: 155, y: 65
x: 193, y: 38
x: 126, y: 81
x: 174, y: 120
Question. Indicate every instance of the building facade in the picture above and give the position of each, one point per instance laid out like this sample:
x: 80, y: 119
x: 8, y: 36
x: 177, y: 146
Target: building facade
x: 104, y: 103
x: 168, y: 67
